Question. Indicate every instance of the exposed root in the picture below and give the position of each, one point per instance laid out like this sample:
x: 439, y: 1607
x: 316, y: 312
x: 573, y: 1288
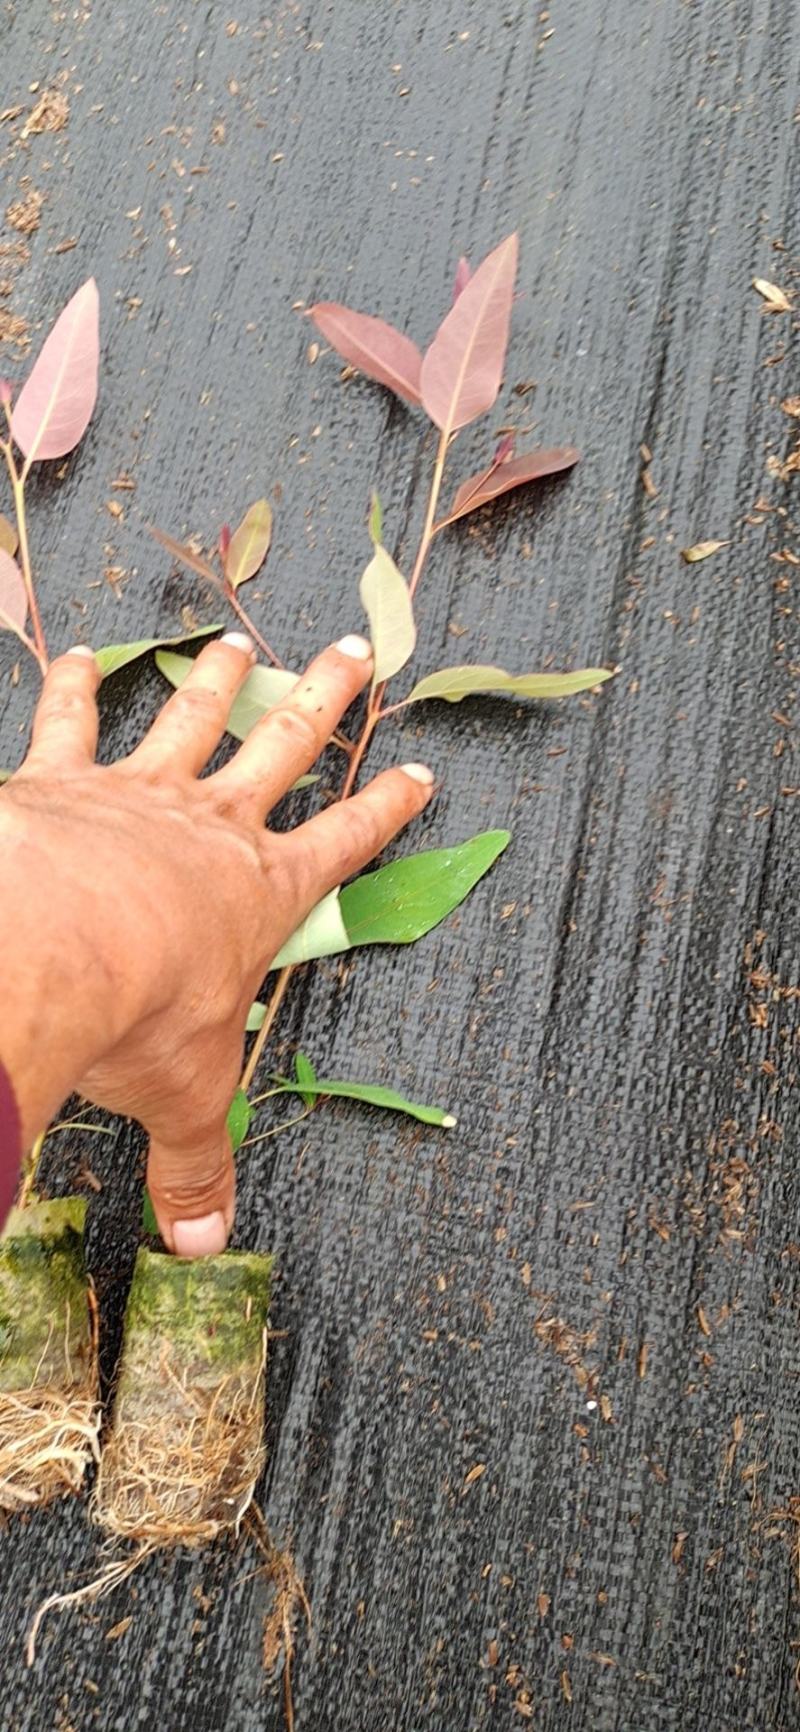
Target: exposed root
x: 111, y: 1577
x: 47, y: 1439
x: 182, y: 1461
x: 280, y: 1625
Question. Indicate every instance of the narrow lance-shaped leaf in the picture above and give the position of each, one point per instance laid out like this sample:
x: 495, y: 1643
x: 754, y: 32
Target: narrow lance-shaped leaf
x: 373, y: 346
x: 323, y: 933
x: 55, y: 405
x: 514, y: 472
x: 395, y: 905
x: 372, y: 1094
x: 306, y: 1078
x: 114, y: 656
x: 456, y: 683
x: 9, y: 540
x: 238, y: 1119
x: 462, y: 369
x: 387, y: 603
x: 375, y: 520
x: 262, y: 689
x: 13, y: 594
x: 249, y: 544
x: 185, y: 555
x: 402, y: 901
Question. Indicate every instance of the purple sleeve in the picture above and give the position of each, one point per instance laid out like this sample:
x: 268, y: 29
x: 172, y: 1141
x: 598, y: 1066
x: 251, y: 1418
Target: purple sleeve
x: 10, y: 1145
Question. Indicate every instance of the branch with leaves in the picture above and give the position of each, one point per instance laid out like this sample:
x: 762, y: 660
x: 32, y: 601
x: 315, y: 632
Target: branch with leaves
x: 455, y: 382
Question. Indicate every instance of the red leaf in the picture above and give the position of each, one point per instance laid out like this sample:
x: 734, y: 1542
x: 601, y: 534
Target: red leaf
x: 54, y: 407
x: 13, y: 596
x: 534, y: 466
x: 462, y: 369
x: 376, y: 348
x: 186, y: 555
x: 462, y: 277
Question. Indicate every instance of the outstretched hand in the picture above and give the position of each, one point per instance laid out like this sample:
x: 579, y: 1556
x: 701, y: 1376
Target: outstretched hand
x: 140, y: 906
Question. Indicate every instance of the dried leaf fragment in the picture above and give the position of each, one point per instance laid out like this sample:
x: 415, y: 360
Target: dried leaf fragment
x: 50, y: 114
x: 777, y: 301
x: 702, y: 550
x: 474, y: 1473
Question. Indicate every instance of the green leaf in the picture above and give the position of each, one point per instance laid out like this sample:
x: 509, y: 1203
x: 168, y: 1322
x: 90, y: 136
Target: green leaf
x: 149, y: 1222
x: 401, y: 902
x: 255, y: 1017
x: 375, y: 521
x: 249, y: 544
x: 262, y: 690
x: 322, y: 933
x: 373, y: 1095
x: 453, y: 684
x: 387, y: 603
x: 306, y: 1077
x: 238, y: 1119
x: 117, y: 655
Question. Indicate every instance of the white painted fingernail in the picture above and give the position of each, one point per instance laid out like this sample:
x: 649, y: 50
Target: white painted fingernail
x: 419, y: 773
x: 357, y: 647
x: 81, y: 649
x: 239, y: 640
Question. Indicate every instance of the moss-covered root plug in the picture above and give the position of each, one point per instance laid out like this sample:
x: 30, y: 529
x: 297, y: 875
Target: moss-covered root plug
x: 187, y: 1441
x: 49, y: 1413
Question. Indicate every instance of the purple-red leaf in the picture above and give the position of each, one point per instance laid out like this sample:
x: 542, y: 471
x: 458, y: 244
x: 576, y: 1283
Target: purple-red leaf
x: 376, y: 348
x: 185, y: 555
x: 54, y: 407
x: 462, y: 277
x: 534, y: 466
x: 462, y: 369
x: 13, y: 595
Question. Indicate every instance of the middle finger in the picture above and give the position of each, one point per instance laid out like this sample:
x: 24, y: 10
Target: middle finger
x: 289, y: 739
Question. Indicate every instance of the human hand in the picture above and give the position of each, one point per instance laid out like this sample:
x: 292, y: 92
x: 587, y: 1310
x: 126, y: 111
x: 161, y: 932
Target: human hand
x: 141, y: 906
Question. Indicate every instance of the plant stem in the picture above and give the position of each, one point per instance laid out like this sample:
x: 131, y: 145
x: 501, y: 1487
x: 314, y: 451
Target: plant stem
x: 31, y: 1168
x: 241, y: 613
x: 430, y: 515
x: 357, y: 751
x: 370, y: 724
x: 263, y: 1034
x: 18, y: 490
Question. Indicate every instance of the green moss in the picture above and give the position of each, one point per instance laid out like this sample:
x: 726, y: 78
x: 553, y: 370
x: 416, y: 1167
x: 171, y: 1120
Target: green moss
x: 209, y: 1312
x: 45, y: 1328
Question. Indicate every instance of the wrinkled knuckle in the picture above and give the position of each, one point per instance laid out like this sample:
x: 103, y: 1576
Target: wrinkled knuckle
x: 63, y: 705
x: 297, y: 728
x: 365, y: 832
x: 198, y: 703
x: 196, y: 1190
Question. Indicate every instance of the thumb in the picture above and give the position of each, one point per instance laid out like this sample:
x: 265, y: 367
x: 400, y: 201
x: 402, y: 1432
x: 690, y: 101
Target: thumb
x: 192, y: 1188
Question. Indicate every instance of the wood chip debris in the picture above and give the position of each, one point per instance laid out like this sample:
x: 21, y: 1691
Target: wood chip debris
x: 50, y: 114
x: 25, y: 214
x: 776, y: 300
x: 474, y: 1473
x: 702, y: 550
x: 791, y: 405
